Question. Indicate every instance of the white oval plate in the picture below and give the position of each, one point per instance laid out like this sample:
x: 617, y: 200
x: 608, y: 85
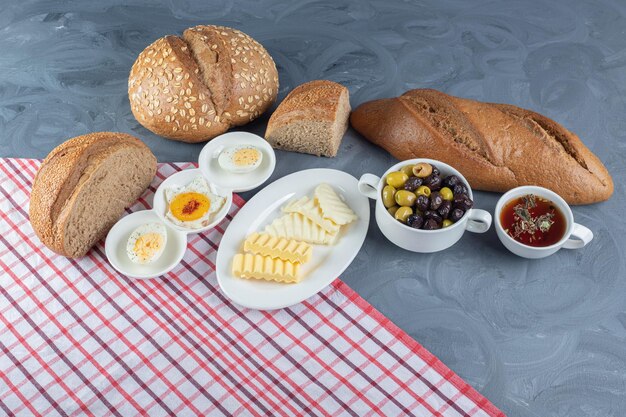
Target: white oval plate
x: 327, y: 263
x: 115, y: 247
x: 182, y: 178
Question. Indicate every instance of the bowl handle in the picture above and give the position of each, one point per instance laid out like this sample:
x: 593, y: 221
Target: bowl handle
x: 368, y: 185
x: 579, y: 238
x: 479, y: 221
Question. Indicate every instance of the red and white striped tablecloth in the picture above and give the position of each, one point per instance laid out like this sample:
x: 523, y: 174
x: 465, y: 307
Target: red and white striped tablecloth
x: 78, y: 338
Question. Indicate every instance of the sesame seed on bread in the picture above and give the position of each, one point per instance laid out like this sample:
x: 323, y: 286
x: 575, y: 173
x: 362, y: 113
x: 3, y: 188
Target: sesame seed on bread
x: 83, y: 186
x: 195, y: 87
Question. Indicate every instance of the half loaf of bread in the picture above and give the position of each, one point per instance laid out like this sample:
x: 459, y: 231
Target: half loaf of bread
x: 195, y: 87
x: 83, y: 186
x: 311, y: 119
x: 495, y: 146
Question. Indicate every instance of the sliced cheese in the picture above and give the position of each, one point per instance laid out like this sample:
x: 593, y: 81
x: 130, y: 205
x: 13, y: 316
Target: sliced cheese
x: 332, y: 206
x: 296, y: 226
x: 278, y: 247
x: 265, y: 267
x: 310, y: 210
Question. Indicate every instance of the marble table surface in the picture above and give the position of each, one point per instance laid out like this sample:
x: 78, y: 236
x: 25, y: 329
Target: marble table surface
x: 538, y: 338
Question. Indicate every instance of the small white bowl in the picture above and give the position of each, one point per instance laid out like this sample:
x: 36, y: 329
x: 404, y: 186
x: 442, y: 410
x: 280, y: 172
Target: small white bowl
x: 576, y: 236
x: 214, y: 173
x: 418, y: 240
x: 115, y: 247
x: 181, y: 179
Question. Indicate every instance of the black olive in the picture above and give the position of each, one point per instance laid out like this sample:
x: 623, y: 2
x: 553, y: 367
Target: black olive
x: 422, y: 203
x: 456, y: 215
x: 435, y: 200
x: 433, y: 182
x: 444, y: 209
x: 412, y: 183
x: 432, y: 214
x: 451, y: 180
x: 415, y: 221
x: 459, y: 189
x: 431, y: 224
x: 463, y: 202
x: 435, y: 170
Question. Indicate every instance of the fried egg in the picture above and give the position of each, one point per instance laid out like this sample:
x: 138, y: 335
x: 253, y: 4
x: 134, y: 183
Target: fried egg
x: 240, y: 159
x: 146, y: 243
x: 192, y: 206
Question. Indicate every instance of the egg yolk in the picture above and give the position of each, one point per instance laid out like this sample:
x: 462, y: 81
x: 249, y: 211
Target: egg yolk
x: 148, y: 245
x: 189, y: 206
x: 245, y: 157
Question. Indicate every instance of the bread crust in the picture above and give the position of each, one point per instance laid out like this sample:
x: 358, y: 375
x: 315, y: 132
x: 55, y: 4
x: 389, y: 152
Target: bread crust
x: 495, y: 146
x: 55, y: 184
x: 313, y: 100
x: 195, y: 87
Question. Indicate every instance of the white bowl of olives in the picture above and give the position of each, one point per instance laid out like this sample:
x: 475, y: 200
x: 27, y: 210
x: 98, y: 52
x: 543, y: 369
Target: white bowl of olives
x: 424, y: 205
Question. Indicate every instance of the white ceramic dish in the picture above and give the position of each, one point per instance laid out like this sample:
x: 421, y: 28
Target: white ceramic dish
x: 212, y: 171
x: 182, y: 178
x: 576, y: 236
x: 115, y: 247
x: 328, y: 262
x: 221, y: 183
x: 418, y: 240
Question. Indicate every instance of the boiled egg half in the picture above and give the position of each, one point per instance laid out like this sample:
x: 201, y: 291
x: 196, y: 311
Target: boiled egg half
x: 146, y: 243
x: 192, y: 206
x: 240, y: 159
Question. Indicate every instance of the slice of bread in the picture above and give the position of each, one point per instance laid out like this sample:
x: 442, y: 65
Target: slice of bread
x: 312, y: 119
x: 83, y: 187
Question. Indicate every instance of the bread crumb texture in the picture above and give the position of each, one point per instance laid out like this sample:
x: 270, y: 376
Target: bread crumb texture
x: 312, y: 119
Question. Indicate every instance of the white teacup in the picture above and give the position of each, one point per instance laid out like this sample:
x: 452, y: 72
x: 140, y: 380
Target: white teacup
x: 576, y: 236
x: 418, y: 240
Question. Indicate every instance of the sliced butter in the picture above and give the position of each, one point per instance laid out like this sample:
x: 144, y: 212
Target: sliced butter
x: 278, y: 247
x: 296, y: 226
x: 332, y: 207
x: 265, y: 267
x: 310, y: 210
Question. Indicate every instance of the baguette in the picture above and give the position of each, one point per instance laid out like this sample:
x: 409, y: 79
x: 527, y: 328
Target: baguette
x: 497, y: 147
x: 195, y: 87
x: 311, y: 119
x: 83, y: 186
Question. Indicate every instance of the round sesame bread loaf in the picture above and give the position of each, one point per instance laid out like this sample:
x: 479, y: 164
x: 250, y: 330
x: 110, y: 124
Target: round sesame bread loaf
x: 83, y: 187
x: 195, y: 87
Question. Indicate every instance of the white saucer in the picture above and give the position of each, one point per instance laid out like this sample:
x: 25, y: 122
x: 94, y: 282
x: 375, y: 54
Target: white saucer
x: 214, y: 173
x: 115, y: 247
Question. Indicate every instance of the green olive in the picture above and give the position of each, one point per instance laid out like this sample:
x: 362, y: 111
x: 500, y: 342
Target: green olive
x: 405, y: 198
x: 397, y: 179
x: 423, y: 190
x: 446, y: 194
x: 392, y: 210
x: 446, y: 223
x: 408, y: 170
x: 403, y: 213
x: 388, y: 196
x: 422, y: 170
